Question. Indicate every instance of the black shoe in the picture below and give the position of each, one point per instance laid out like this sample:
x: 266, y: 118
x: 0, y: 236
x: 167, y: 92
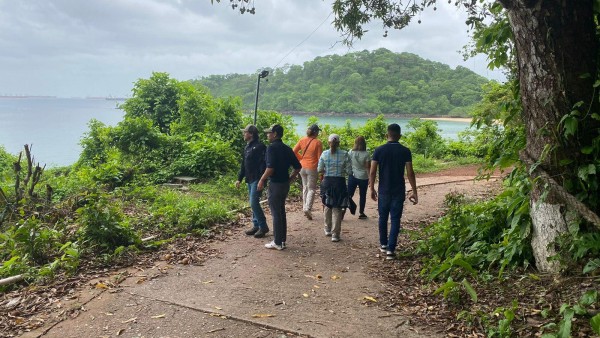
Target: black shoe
x: 261, y: 233
x: 362, y: 216
x: 251, y: 231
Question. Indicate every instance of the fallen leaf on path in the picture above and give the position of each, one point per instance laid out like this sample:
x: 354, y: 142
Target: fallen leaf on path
x: 159, y: 316
x: 371, y: 299
x: 334, y: 277
x: 316, y: 287
x: 129, y: 320
x: 101, y: 286
x: 120, y: 331
x: 218, y: 308
x: 208, y: 282
x: 262, y: 315
x: 305, y: 295
x: 140, y: 281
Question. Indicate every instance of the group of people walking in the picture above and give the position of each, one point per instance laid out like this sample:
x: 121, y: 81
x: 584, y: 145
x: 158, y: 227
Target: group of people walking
x: 332, y: 166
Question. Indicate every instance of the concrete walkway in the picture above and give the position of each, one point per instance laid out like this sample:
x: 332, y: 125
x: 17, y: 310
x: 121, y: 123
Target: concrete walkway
x: 314, y: 288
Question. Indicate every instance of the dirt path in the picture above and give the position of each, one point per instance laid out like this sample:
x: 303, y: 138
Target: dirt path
x: 314, y: 288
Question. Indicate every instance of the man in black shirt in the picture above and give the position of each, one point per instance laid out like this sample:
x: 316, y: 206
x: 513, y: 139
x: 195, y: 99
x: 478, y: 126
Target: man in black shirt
x: 252, y: 168
x: 390, y: 160
x: 279, y: 159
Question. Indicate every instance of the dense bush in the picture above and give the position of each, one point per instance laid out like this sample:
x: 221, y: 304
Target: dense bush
x: 490, y: 234
x: 103, y: 225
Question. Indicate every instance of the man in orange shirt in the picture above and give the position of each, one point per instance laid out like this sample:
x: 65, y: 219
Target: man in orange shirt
x: 308, y: 151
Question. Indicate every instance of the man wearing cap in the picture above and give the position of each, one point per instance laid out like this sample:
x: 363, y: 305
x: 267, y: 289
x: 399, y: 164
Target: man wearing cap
x: 308, y: 150
x: 279, y: 159
x: 252, y: 168
x: 334, y: 166
x: 391, y: 159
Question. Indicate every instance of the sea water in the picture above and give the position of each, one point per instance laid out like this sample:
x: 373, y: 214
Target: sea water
x: 54, y: 126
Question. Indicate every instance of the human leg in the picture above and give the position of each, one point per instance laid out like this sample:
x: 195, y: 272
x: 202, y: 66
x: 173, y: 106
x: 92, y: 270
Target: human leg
x: 338, y: 214
x: 285, y: 192
x: 258, y: 215
x: 352, y: 183
x: 304, y: 177
x: 396, y: 207
x: 383, y: 205
x: 255, y: 226
x: 277, y: 194
x: 362, y: 190
x: 312, y: 176
x: 328, y: 217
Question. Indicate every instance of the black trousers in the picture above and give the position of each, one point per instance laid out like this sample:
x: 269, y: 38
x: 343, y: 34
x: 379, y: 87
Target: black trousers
x: 278, y: 192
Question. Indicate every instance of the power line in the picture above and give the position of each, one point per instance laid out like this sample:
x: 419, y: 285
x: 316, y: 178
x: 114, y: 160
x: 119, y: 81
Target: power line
x: 303, y: 41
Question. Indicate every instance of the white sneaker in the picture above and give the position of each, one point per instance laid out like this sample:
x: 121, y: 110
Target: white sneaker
x: 383, y: 248
x: 272, y: 245
x: 335, y: 239
x: 390, y: 256
x: 283, y: 245
x: 327, y: 233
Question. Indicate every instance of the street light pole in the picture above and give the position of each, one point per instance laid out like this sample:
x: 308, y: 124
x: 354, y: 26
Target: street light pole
x: 261, y: 75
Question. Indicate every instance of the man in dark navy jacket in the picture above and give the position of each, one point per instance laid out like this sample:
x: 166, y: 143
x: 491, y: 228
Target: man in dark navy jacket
x: 280, y: 158
x: 252, y: 168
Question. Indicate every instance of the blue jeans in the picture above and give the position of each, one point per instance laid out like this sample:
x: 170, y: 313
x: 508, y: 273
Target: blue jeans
x: 390, y: 206
x: 258, y: 215
x: 353, y: 182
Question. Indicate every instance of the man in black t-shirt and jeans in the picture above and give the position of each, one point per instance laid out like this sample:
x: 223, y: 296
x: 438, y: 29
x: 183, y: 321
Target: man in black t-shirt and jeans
x: 279, y: 159
x: 391, y: 159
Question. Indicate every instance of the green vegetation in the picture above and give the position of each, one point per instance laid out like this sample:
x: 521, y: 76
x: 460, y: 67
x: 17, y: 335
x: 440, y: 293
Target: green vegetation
x: 363, y: 82
x: 102, y: 207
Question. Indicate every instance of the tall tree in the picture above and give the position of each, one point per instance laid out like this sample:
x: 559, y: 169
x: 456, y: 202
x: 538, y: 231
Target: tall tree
x: 556, y: 52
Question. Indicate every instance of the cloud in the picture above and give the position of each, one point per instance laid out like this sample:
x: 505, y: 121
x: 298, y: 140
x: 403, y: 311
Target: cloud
x: 98, y: 47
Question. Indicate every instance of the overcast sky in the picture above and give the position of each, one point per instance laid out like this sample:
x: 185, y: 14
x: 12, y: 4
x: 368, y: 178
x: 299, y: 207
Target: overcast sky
x: 75, y: 48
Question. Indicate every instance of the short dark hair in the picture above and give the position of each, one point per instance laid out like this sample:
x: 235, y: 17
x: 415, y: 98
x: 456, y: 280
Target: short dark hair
x: 394, y: 130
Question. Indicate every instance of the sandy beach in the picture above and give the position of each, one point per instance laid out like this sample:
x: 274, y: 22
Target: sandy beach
x: 449, y: 119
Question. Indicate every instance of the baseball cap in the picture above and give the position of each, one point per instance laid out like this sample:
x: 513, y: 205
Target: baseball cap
x: 276, y: 128
x: 314, y: 128
x: 334, y: 137
x: 251, y: 129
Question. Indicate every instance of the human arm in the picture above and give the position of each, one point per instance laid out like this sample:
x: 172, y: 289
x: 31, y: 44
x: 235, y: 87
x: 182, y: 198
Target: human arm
x: 242, y: 171
x: 297, y: 148
x: 321, y: 167
x: 372, y: 175
x: 261, y: 183
x: 410, y: 173
x: 294, y: 174
x: 295, y: 163
x: 348, y: 165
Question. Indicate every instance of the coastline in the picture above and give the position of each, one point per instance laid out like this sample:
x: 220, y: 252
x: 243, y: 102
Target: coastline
x: 386, y: 116
x: 449, y: 119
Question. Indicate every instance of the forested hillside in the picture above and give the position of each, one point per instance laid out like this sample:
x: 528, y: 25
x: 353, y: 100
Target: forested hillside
x: 380, y: 81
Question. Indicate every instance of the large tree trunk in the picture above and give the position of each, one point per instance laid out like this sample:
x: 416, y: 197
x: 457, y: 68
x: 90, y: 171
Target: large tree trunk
x: 555, y: 45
